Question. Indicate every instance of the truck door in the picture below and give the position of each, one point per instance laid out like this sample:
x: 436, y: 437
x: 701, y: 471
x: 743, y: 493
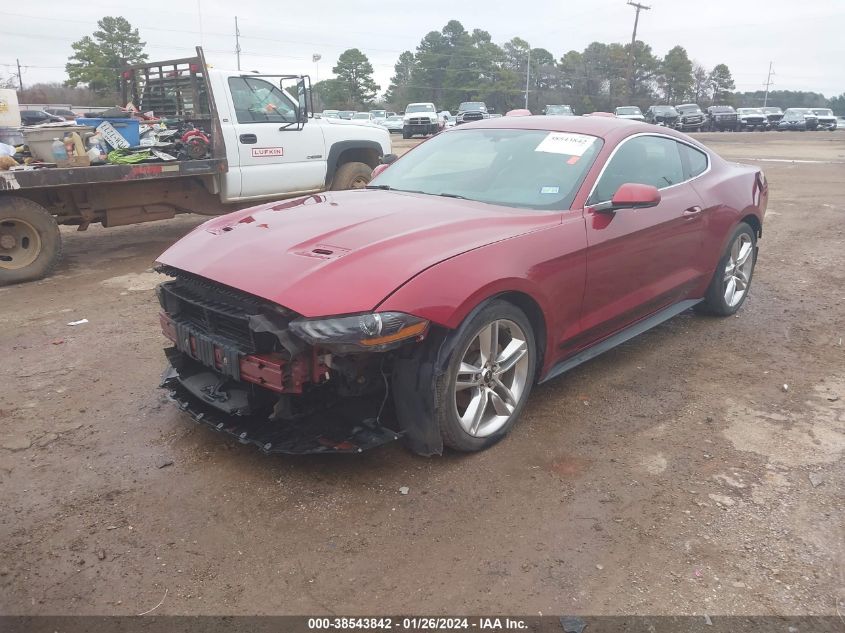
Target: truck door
x: 277, y: 154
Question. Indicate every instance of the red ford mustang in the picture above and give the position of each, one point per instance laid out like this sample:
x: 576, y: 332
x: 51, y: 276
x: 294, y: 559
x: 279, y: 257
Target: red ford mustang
x: 494, y: 256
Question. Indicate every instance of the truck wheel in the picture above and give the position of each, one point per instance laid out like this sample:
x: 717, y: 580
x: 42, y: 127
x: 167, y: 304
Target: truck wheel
x: 352, y: 176
x: 406, y: 133
x: 30, y: 244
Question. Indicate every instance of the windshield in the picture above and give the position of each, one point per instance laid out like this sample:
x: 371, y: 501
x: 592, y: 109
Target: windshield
x: 722, y: 109
x: 472, y: 105
x: 379, y: 114
x: 530, y: 169
x: 420, y: 107
x: 628, y: 110
x: 362, y: 115
x: 689, y: 108
x: 823, y: 112
x: 750, y: 111
x: 770, y: 110
x: 558, y: 109
x: 665, y: 110
x: 395, y: 117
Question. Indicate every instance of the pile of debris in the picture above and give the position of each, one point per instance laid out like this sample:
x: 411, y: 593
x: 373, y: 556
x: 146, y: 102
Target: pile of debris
x: 118, y: 136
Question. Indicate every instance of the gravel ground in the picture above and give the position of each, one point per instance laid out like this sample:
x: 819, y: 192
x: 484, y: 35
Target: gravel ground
x: 696, y: 469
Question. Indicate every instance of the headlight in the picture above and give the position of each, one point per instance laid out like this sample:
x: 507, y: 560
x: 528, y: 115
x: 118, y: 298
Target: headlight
x: 374, y: 332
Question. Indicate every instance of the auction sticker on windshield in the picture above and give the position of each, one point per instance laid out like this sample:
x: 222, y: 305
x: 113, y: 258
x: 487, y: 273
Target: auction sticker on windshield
x: 565, y: 143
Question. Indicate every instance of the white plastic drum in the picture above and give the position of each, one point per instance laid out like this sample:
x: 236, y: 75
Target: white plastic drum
x: 10, y: 114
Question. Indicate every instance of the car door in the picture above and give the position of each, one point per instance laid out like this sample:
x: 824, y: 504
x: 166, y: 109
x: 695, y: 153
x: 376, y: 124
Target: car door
x: 641, y: 260
x: 276, y: 154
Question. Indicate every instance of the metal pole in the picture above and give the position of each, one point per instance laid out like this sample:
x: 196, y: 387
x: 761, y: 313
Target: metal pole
x: 768, y: 84
x: 630, y: 81
x: 237, y: 42
x: 20, y: 76
x: 527, y: 77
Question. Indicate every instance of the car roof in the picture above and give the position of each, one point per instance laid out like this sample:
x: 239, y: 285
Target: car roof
x: 593, y: 125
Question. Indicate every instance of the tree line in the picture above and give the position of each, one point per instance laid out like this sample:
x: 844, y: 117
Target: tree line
x: 454, y: 65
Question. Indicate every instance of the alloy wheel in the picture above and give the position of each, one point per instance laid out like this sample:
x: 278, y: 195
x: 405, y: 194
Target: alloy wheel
x: 492, y: 378
x: 738, y: 269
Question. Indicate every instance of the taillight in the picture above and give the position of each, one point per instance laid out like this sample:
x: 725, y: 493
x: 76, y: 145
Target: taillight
x: 128, y: 74
x: 195, y: 68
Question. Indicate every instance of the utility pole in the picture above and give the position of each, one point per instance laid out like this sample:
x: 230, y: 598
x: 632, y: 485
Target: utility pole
x: 527, y: 77
x: 639, y: 7
x: 316, y: 57
x: 20, y: 76
x: 768, y: 85
x: 237, y: 42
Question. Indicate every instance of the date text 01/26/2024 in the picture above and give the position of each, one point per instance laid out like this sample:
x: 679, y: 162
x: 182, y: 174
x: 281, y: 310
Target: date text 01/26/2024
x: 415, y: 624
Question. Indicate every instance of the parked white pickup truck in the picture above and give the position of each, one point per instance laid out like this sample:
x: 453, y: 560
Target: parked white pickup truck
x: 263, y: 145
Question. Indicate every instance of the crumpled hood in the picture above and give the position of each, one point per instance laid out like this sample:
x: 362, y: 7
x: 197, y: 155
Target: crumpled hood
x: 342, y: 252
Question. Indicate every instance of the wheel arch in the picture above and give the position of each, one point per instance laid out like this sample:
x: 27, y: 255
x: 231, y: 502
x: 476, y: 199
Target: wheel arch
x: 754, y: 222
x: 341, y: 152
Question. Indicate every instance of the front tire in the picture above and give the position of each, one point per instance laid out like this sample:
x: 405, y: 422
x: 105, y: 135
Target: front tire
x: 30, y: 243
x: 731, y: 282
x: 406, y: 133
x: 352, y: 175
x: 488, y: 379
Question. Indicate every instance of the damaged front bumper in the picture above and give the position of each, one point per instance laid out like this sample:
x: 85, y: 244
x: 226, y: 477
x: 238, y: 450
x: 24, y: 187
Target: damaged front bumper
x: 224, y: 406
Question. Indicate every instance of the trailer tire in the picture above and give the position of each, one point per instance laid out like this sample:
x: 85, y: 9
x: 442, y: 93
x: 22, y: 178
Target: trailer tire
x: 352, y: 175
x: 30, y: 243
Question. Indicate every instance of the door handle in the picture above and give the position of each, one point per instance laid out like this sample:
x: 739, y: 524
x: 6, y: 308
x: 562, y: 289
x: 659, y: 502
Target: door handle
x: 248, y: 139
x: 692, y: 212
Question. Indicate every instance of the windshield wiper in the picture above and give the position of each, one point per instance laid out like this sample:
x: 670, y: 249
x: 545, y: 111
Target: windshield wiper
x: 451, y: 195
x: 381, y: 187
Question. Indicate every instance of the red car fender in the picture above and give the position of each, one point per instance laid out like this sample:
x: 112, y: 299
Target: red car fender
x: 545, y: 268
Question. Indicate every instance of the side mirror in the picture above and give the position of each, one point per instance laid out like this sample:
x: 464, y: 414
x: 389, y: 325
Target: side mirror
x: 631, y: 195
x: 389, y: 159
x: 378, y: 169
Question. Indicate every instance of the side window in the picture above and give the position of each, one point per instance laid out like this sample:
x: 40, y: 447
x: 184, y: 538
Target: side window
x: 259, y: 101
x: 695, y: 160
x: 646, y: 160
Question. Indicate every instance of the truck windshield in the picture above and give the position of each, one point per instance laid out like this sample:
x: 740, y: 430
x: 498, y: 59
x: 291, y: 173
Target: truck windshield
x: 472, y: 105
x: 558, y: 109
x: 420, y: 107
x: 529, y: 169
x: 627, y: 110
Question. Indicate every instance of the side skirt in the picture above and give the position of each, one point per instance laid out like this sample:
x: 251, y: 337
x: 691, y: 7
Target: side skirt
x: 620, y: 337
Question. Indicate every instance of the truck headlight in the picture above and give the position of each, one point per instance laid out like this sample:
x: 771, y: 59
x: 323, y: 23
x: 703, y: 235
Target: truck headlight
x: 374, y: 332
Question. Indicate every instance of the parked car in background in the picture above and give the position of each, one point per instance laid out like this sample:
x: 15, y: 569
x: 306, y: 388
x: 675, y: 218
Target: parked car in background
x: 63, y: 113
x: 446, y: 119
x: 346, y: 114
x: 721, y: 118
x: 558, y: 110
x: 362, y: 117
x: 752, y: 119
x: 37, y: 117
x: 773, y: 115
x: 457, y: 281
x: 377, y: 115
x: 329, y: 114
x: 471, y: 111
x: 840, y: 122
x: 800, y: 119
x: 420, y: 118
x: 662, y: 115
x: 826, y: 118
x: 690, y: 117
x: 632, y: 113
x: 393, y: 123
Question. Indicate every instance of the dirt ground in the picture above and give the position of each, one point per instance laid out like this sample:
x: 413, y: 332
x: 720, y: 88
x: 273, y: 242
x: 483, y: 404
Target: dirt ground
x: 697, y: 469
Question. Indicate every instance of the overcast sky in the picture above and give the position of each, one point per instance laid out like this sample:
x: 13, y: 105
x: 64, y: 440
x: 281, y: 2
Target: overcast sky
x: 804, y: 40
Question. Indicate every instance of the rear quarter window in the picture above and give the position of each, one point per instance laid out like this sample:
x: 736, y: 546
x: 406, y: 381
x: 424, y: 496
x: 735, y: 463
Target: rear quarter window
x: 695, y: 160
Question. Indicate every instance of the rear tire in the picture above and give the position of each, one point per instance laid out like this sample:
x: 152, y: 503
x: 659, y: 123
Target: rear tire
x: 30, y: 243
x: 731, y: 281
x: 406, y: 133
x: 476, y: 409
x: 352, y: 176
